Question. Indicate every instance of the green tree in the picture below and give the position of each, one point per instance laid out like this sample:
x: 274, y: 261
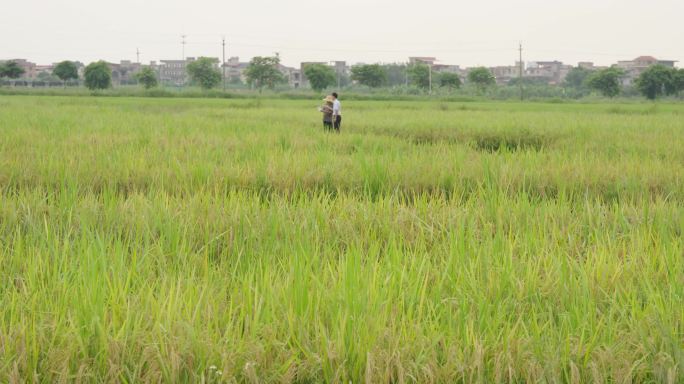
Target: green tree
x: 147, y: 77
x: 47, y: 77
x: 11, y: 69
x: 482, y: 78
x: 263, y: 72
x: 576, y: 78
x: 419, y: 75
x: 343, y: 79
x: 449, y: 80
x: 676, y: 83
x: 528, y: 81
x: 65, y: 71
x: 372, y: 75
x: 657, y: 80
x: 204, y: 73
x: 98, y: 75
x: 320, y: 76
x: 679, y: 80
x: 396, y: 74
x: 606, y: 81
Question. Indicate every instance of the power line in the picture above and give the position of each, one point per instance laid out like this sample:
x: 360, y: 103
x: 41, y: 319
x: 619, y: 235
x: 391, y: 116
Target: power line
x: 270, y: 37
x: 367, y: 41
x: 353, y: 50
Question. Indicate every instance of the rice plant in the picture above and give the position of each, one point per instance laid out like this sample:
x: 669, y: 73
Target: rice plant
x: 195, y: 240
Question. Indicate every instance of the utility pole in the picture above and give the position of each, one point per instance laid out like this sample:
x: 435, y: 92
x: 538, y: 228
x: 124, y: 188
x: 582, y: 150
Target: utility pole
x: 137, y: 54
x: 520, y: 72
x: 430, y: 77
x: 223, y: 64
x: 183, y: 44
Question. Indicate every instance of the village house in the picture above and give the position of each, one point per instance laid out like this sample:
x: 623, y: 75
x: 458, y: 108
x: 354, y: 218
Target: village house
x: 446, y: 68
x: 438, y: 68
x: 422, y: 60
x: 293, y: 76
x: 28, y: 67
x: 504, y: 74
x: 634, y: 68
x: 552, y: 72
x: 342, y: 70
x: 235, y: 70
x: 174, y: 72
x: 124, y: 72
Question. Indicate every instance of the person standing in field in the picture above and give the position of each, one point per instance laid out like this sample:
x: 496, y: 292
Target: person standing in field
x: 337, y: 112
x: 327, y: 110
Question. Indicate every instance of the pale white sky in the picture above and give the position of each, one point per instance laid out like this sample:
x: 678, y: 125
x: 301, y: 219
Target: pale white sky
x: 467, y: 33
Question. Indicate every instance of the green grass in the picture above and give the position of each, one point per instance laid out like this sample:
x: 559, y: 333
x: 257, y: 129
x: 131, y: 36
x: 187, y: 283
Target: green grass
x: 190, y: 240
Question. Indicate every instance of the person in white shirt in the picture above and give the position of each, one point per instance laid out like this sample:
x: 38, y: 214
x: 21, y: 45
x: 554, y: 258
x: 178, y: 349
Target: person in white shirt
x: 337, y: 113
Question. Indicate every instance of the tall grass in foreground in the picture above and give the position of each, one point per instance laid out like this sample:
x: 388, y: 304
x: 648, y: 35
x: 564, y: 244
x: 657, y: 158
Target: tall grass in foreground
x: 189, y: 241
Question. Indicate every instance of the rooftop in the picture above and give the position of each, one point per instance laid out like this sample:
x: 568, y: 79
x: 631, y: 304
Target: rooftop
x: 645, y: 58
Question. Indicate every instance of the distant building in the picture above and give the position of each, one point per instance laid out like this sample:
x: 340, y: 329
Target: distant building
x: 446, y: 68
x: 340, y: 67
x: 590, y: 66
x: 634, y: 68
x: 504, y: 74
x: 586, y: 65
x: 293, y: 76
x: 28, y: 67
x: 174, y: 72
x: 342, y: 70
x: 422, y: 60
x: 40, y: 75
x: 552, y: 72
x: 124, y: 72
x: 235, y: 70
x: 44, y: 70
x: 432, y: 62
x: 645, y: 62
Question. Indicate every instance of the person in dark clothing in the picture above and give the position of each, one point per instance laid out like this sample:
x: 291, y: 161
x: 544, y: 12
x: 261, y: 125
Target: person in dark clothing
x: 327, y: 110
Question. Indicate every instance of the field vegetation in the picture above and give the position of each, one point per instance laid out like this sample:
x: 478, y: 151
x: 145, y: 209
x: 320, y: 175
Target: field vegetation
x: 214, y: 240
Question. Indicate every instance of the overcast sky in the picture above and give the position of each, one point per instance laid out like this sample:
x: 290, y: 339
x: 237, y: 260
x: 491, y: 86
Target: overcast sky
x: 456, y: 32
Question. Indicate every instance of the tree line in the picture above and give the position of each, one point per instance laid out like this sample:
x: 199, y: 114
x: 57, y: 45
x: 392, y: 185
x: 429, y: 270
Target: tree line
x: 656, y: 81
x: 264, y: 72
x: 321, y: 76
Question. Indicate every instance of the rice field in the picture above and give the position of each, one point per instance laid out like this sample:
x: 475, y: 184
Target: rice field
x: 172, y: 240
